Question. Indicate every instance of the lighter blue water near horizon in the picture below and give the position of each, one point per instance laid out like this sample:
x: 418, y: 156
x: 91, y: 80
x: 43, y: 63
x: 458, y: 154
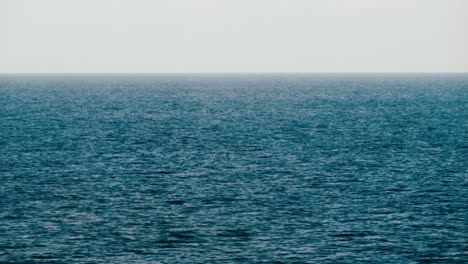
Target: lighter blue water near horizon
x: 333, y: 168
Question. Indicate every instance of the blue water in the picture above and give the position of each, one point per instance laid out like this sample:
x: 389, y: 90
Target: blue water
x: 234, y: 168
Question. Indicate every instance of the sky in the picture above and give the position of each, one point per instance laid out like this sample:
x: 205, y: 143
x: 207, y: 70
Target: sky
x: 197, y: 36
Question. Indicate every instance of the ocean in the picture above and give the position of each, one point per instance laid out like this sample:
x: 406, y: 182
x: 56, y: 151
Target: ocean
x: 234, y: 168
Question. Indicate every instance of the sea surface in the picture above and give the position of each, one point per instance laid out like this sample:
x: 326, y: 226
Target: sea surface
x: 234, y: 168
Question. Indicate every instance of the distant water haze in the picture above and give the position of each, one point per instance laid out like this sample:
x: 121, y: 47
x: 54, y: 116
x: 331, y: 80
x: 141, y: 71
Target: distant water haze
x: 233, y: 36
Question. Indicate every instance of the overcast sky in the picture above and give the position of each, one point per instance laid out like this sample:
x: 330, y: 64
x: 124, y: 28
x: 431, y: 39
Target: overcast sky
x: 233, y: 36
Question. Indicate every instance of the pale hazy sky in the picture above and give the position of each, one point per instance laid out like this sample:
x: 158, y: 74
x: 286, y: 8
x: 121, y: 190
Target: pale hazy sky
x: 233, y: 36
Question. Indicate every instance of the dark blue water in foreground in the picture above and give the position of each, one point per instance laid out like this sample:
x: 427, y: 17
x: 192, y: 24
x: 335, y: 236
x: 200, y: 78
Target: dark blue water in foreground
x: 234, y: 169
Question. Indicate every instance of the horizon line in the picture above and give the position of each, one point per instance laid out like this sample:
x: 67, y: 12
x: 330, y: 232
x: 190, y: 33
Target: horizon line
x: 214, y: 73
